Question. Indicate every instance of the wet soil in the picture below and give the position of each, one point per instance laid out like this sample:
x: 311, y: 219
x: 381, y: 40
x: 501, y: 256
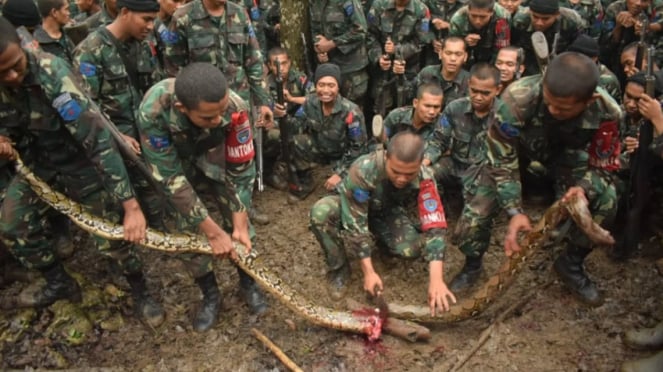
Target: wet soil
x: 551, y: 332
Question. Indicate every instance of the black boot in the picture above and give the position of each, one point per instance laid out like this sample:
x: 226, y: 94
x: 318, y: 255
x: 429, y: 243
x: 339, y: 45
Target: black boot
x: 209, y: 310
x: 250, y: 292
x: 468, y: 275
x: 146, y: 308
x: 302, y: 189
x: 338, y: 282
x: 569, y: 268
x: 59, y: 286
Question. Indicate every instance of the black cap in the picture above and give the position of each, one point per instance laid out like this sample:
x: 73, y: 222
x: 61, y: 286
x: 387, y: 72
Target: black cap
x: 21, y: 13
x: 328, y: 69
x: 586, y: 45
x: 641, y: 79
x: 139, y: 5
x: 544, y: 6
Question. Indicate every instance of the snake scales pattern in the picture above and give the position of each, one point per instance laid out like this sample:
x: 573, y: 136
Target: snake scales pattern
x: 358, y: 322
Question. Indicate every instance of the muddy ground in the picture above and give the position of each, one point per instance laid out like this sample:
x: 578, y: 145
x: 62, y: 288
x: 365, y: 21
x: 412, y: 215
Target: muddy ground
x: 551, y: 332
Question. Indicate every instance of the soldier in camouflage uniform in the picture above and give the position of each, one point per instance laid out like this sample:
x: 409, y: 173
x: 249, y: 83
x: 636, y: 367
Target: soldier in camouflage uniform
x: 193, y: 130
x: 104, y: 17
x: 570, y: 126
x: 119, y: 64
x: 295, y: 88
x: 334, y: 131
x: 511, y: 6
x: 379, y: 198
x: 161, y: 26
x: 85, y: 9
x: 49, y: 35
x: 441, y: 13
x: 484, y: 25
x: 422, y: 118
x: 591, y: 11
x: 556, y: 23
x: 397, y: 29
x: 339, y: 30
x: 258, y: 11
x: 478, y: 134
x: 511, y: 63
x: 607, y: 79
x: 47, y: 115
x: 449, y: 75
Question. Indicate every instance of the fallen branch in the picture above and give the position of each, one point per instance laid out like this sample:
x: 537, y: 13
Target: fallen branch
x: 404, y: 329
x: 276, y: 351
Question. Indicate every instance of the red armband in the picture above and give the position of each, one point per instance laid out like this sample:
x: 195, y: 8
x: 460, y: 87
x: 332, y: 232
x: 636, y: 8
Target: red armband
x: 605, y: 147
x: 431, y: 210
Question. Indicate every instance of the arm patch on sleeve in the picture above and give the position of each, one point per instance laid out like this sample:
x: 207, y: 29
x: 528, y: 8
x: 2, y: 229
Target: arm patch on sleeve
x: 87, y: 69
x: 68, y: 108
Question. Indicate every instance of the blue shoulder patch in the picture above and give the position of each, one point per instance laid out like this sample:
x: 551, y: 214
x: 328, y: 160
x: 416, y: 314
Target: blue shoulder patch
x: 361, y: 195
x: 255, y: 13
x: 68, y: 108
x: 169, y: 37
x: 425, y: 25
x: 371, y: 18
x: 444, y: 121
x: 349, y: 9
x: 354, y: 130
x: 158, y: 142
x: 300, y: 112
x: 608, y: 25
x: 509, y: 130
x: 87, y: 69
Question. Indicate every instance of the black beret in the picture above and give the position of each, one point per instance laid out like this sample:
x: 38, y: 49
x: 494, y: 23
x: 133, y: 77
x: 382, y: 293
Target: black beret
x: 21, y: 13
x: 586, y: 45
x: 139, y: 5
x: 544, y: 6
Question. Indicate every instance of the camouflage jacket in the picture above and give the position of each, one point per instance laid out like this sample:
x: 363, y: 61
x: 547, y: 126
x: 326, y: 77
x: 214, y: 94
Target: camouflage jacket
x: 490, y: 142
x: 569, y: 24
x: 176, y: 150
x: 452, y: 89
x: 98, y: 60
x: 298, y: 85
x: 367, y: 191
x: 408, y: 30
x: 228, y: 42
x: 563, y: 144
x: 162, y: 33
x: 608, y: 81
x: 342, y: 21
x: 63, y: 48
x: 591, y: 11
x: 444, y: 10
x: 400, y: 119
x: 56, y: 132
x: 340, y: 136
x: 99, y: 19
x: 258, y: 11
x: 494, y: 36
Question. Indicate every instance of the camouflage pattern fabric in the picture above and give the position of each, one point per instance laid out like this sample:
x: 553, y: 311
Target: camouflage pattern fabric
x: 591, y: 11
x: 494, y: 36
x: 609, y: 81
x: 258, y: 11
x: 99, y: 19
x: 400, y: 119
x: 452, y: 89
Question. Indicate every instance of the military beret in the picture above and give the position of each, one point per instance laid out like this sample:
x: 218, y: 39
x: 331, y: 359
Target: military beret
x: 139, y: 5
x: 21, y: 13
x: 586, y: 45
x: 544, y: 6
x: 328, y: 69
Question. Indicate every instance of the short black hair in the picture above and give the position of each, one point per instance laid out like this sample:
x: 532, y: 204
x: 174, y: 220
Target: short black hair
x: 485, y: 71
x: 571, y: 74
x: 481, y: 4
x: 200, y: 82
x: 45, y: 6
x: 520, y: 53
x: 407, y: 147
x: 433, y: 89
x: 454, y: 39
x: 8, y: 34
x: 277, y: 51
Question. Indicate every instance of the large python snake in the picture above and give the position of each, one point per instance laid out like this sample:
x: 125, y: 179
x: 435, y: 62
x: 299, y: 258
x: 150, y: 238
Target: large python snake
x: 368, y: 322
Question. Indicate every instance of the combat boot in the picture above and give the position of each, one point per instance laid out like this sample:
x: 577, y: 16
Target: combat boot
x: 251, y: 294
x: 338, y: 282
x: 59, y: 286
x: 258, y: 217
x: 648, y: 338
x: 652, y: 364
x: 569, y: 268
x: 303, y: 189
x: 146, y: 308
x: 208, y: 314
x: 468, y: 275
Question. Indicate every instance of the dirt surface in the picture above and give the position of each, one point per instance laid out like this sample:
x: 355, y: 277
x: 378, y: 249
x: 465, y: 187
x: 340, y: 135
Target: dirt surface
x: 551, y: 332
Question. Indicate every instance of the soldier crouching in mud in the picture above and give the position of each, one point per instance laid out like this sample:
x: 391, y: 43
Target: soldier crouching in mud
x: 376, y: 198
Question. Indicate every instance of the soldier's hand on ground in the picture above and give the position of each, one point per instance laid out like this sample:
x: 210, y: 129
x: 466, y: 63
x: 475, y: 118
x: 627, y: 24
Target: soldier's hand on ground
x: 518, y: 223
x: 439, y: 297
x: 323, y: 45
x: 133, y: 144
x: 472, y: 39
x: 134, y: 222
x: 399, y: 67
x: 385, y: 63
x: 631, y: 144
x: 332, y: 181
x: 440, y: 24
x: 323, y: 57
x: 389, y: 46
x: 650, y: 108
x: 279, y: 110
x: 373, y: 283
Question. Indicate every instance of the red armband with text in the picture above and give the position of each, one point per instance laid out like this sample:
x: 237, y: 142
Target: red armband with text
x: 431, y: 211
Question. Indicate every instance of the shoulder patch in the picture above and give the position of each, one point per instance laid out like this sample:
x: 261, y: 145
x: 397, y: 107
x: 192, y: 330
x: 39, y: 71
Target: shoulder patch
x: 349, y: 9
x: 168, y: 37
x: 361, y: 195
x: 425, y: 25
x: 87, y: 69
x: 255, y: 13
x: 444, y: 121
x: 159, y: 142
x: 68, y: 108
x: 509, y: 130
x: 300, y: 112
x: 251, y: 32
x: 608, y: 25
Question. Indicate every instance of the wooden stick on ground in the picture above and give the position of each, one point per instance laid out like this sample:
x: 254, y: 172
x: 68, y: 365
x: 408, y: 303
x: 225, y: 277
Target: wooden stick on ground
x: 276, y: 351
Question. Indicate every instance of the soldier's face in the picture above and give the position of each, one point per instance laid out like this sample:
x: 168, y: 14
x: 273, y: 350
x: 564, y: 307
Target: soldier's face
x: 563, y: 108
x: 507, y: 63
x: 627, y: 60
x: 400, y: 173
x: 510, y: 5
x: 327, y: 89
x: 453, y: 56
x: 483, y: 93
x: 636, y: 6
x: 215, y: 3
x: 170, y: 6
x: 140, y: 23
x: 208, y: 114
x: 61, y: 15
x: 479, y: 18
x: 632, y: 95
x: 284, y: 67
x: 428, y: 107
x: 13, y: 66
x: 542, y: 22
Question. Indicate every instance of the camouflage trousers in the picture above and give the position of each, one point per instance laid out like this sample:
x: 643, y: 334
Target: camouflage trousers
x: 212, y: 192
x: 393, y: 229
x: 304, y: 151
x: 355, y: 86
x: 22, y: 221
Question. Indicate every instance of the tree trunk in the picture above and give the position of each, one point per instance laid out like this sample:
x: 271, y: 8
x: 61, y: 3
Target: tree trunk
x: 294, y: 22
